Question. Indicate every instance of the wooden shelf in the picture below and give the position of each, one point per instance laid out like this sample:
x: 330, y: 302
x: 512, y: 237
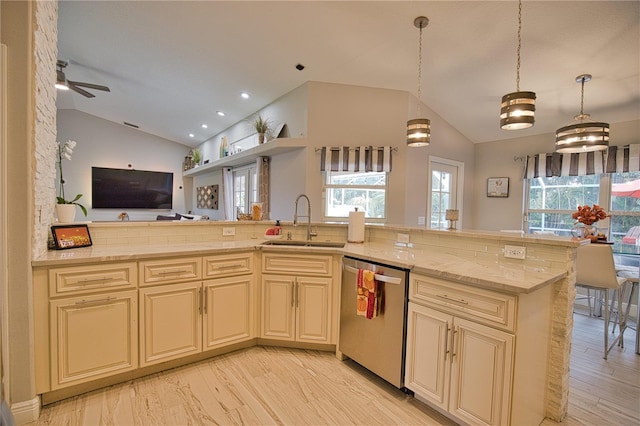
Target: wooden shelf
x: 273, y: 147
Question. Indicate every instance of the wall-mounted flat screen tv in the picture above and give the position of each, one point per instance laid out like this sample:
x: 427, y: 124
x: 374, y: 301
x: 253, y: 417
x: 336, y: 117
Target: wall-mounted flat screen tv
x: 130, y: 189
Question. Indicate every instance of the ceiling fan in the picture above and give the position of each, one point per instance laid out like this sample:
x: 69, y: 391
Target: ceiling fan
x: 63, y: 84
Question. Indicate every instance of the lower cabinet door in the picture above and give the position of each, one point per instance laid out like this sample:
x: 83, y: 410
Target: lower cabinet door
x: 228, y: 311
x: 313, y: 302
x: 278, y: 307
x: 481, y: 374
x: 170, y: 322
x: 428, y: 359
x: 93, y: 337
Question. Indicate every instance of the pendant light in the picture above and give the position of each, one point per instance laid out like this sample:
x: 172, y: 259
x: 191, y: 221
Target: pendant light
x: 518, y: 108
x: 586, y: 135
x: 419, y: 129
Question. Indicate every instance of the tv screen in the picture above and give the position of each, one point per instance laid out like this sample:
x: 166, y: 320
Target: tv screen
x: 130, y: 189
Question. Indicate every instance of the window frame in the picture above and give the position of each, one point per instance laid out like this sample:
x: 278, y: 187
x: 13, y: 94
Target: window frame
x: 251, y: 194
x: 327, y: 187
x: 605, y: 187
x: 457, y: 193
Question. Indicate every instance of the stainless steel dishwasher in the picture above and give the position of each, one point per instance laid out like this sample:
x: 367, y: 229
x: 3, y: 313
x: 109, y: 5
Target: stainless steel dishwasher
x: 377, y: 344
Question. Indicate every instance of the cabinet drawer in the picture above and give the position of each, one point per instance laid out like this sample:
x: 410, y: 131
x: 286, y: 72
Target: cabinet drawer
x: 92, y: 278
x: 170, y: 270
x: 484, y: 306
x: 228, y: 265
x: 297, y: 264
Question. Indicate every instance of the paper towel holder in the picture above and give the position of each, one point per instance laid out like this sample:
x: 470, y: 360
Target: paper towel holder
x: 355, y: 232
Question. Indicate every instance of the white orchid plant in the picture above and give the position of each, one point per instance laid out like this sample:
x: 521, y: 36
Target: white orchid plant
x: 64, y: 152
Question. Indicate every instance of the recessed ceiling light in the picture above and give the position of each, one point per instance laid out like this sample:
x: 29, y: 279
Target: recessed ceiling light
x: 220, y: 113
x: 204, y: 126
x: 244, y: 95
x: 191, y: 135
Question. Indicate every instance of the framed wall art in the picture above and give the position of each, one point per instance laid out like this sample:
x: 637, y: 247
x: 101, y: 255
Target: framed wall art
x: 207, y: 197
x: 71, y: 236
x: 498, y: 187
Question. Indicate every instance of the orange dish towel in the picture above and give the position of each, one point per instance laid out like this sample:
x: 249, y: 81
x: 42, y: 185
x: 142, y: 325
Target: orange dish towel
x: 366, y: 300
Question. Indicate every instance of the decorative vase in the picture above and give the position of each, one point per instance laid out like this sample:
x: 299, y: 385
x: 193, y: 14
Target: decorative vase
x: 66, y: 212
x: 581, y: 230
x: 260, y: 138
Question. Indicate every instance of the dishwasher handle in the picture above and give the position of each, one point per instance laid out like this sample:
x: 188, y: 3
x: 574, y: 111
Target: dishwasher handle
x: 377, y: 277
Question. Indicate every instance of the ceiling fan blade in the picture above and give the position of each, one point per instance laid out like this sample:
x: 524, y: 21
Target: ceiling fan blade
x: 89, y: 85
x: 83, y: 92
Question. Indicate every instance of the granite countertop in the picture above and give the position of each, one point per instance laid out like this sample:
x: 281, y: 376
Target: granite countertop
x: 495, y: 276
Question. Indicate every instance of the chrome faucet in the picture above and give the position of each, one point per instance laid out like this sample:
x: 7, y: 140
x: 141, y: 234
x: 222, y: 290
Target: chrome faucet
x: 295, y: 217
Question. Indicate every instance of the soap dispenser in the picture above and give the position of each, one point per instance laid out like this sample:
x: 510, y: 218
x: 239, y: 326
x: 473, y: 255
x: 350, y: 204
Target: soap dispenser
x: 278, y: 228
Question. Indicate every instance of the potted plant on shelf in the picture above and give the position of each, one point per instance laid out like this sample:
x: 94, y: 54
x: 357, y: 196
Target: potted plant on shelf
x: 262, y: 126
x: 66, y: 209
x: 197, y: 156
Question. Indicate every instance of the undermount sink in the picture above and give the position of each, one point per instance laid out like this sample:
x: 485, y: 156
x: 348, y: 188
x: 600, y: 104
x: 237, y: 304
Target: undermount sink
x: 294, y: 243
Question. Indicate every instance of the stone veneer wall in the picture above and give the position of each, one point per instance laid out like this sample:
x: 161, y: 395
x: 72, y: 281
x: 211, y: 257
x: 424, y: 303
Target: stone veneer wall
x: 44, y: 149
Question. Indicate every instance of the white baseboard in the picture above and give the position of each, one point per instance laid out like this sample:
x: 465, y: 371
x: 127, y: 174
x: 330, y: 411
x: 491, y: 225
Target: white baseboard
x: 26, y: 411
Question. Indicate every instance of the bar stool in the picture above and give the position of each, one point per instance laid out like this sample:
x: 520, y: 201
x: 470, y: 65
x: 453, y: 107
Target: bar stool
x: 595, y: 270
x: 629, y: 288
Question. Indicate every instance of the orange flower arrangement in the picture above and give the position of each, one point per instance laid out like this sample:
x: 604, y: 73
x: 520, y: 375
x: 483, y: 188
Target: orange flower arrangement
x: 589, y: 215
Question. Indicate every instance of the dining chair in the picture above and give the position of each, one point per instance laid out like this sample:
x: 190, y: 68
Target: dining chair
x: 595, y: 270
x: 629, y: 288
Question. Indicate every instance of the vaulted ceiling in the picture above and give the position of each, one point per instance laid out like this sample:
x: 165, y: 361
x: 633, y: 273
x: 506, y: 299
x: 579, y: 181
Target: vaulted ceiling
x: 172, y: 64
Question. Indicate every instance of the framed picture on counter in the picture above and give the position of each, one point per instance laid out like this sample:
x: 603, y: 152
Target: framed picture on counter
x: 71, y: 236
x: 498, y: 187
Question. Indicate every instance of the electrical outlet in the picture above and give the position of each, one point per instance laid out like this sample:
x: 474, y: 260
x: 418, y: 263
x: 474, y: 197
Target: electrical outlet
x: 420, y: 220
x: 228, y: 231
x: 403, y: 238
x: 515, y: 252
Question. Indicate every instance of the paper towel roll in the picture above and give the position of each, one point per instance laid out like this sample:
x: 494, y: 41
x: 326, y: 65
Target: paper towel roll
x: 355, y: 234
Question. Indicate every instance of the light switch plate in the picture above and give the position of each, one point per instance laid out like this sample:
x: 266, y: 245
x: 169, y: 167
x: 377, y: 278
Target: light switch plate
x: 420, y: 220
x: 515, y: 252
x: 402, y: 238
x: 228, y: 231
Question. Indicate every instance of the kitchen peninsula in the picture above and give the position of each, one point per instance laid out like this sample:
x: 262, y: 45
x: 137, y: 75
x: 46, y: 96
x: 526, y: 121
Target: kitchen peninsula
x: 136, y: 266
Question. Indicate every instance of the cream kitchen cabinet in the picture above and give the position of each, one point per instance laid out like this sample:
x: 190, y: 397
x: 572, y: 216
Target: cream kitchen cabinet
x: 229, y: 299
x: 93, y: 322
x: 297, y: 294
x: 185, y: 318
x: 170, y: 321
x: 463, y: 346
x: 228, y: 311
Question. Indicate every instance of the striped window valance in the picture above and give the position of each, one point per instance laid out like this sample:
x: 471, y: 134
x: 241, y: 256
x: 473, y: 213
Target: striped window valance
x: 355, y: 158
x: 556, y: 164
x: 622, y: 159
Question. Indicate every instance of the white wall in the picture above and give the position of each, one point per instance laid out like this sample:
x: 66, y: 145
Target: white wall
x: 344, y: 115
x: 448, y: 143
x: 496, y: 159
x: 337, y: 115
x: 290, y: 108
x: 103, y: 143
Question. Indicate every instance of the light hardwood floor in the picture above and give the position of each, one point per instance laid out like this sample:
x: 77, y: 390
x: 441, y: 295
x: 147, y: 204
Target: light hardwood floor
x: 279, y: 386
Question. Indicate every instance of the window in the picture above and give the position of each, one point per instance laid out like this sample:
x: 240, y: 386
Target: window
x: 552, y: 201
x: 625, y: 203
x: 245, y: 188
x: 445, y: 192
x: 344, y: 191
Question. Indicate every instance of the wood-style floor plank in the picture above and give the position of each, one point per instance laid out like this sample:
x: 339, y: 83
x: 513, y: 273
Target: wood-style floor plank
x: 280, y: 386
